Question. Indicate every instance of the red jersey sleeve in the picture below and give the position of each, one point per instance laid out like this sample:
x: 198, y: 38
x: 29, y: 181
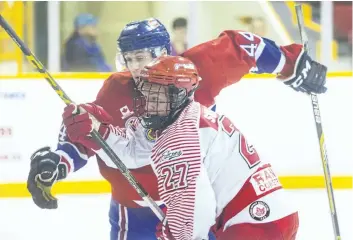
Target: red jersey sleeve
x: 226, y: 59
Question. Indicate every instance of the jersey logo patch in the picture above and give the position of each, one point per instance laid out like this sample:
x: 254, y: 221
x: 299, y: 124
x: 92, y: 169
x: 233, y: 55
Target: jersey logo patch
x: 259, y: 210
x: 130, y: 123
x: 169, y: 155
x: 264, y: 181
x: 150, y: 135
x: 125, y: 111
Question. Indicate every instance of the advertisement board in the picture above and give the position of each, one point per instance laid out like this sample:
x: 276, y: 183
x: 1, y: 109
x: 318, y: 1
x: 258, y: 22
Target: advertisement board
x: 276, y: 119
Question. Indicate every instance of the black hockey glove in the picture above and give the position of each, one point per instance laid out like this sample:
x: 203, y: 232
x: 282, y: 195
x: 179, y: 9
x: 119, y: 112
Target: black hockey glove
x: 309, y: 76
x: 45, y: 170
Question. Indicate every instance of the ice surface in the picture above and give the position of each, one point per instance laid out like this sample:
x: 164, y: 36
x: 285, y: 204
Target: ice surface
x: 86, y: 217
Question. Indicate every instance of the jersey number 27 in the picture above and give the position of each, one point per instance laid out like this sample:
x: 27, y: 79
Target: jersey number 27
x: 175, y: 176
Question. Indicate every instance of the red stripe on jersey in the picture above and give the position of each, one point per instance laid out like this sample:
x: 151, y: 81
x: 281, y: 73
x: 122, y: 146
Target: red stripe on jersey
x: 122, y: 223
x: 66, y: 162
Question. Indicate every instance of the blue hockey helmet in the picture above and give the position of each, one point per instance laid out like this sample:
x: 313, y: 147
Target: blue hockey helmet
x: 148, y: 33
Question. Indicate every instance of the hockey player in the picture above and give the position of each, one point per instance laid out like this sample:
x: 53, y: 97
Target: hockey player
x: 221, y: 62
x: 209, y: 176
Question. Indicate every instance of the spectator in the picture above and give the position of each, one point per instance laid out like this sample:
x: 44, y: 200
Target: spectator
x: 179, y: 40
x: 82, y: 52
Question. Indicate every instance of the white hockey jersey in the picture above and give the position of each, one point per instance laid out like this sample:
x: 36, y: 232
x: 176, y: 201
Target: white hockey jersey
x: 208, y: 175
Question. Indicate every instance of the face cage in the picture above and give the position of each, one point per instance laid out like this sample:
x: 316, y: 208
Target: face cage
x: 176, y: 100
x: 120, y: 62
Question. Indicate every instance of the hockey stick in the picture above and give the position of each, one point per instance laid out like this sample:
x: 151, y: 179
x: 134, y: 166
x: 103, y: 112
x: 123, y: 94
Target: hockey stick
x: 320, y: 133
x: 95, y: 135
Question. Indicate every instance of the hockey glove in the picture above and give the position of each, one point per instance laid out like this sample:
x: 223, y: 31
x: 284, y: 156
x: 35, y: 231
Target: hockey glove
x: 45, y: 170
x: 79, y: 125
x: 309, y: 76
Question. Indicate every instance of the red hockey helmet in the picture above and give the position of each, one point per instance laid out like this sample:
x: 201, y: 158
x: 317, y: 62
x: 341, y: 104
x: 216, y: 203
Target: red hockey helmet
x: 172, y: 70
x: 167, y: 85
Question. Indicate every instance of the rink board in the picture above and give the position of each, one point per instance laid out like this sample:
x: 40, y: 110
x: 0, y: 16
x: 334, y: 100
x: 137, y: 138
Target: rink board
x: 276, y: 119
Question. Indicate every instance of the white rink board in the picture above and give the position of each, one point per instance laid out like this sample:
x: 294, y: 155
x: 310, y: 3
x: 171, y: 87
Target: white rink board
x: 277, y: 120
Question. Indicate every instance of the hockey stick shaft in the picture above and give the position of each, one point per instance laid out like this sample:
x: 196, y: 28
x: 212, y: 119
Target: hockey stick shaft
x: 95, y: 135
x: 320, y: 133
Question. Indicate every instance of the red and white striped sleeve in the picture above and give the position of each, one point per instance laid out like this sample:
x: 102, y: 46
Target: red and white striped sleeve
x: 183, y: 182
